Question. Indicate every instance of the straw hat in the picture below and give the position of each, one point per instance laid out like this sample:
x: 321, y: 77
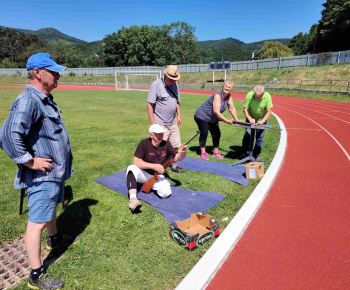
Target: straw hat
x: 172, y: 72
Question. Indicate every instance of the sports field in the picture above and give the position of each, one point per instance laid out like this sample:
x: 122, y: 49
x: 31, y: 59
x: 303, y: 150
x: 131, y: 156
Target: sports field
x: 119, y: 250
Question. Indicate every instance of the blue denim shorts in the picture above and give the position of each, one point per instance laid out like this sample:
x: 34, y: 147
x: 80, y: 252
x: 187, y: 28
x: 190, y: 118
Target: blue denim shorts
x: 43, y: 198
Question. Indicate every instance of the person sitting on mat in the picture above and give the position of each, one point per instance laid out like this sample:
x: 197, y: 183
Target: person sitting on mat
x: 257, y: 108
x: 149, y: 156
x: 209, y: 114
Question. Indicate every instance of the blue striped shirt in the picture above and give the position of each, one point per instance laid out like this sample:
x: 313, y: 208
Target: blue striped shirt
x: 34, y: 128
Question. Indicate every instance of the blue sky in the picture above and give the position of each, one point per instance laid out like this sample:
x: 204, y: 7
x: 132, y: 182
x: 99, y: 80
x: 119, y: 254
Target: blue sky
x: 92, y: 20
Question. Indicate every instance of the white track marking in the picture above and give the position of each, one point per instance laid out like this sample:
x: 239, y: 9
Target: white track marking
x: 336, y: 141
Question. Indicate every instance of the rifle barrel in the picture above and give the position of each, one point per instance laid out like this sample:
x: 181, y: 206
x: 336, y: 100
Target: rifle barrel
x: 192, y: 138
x: 255, y: 126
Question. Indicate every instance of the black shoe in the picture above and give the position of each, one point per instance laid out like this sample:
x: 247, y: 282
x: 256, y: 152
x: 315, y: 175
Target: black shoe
x: 176, y: 169
x: 64, y: 240
x: 258, y: 159
x: 45, y: 281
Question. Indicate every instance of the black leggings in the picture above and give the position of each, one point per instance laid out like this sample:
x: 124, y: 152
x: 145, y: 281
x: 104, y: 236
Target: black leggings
x: 214, y: 130
x: 131, y: 181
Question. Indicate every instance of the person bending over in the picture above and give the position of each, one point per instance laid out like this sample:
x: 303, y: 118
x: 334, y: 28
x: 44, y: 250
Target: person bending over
x: 209, y: 114
x: 257, y: 108
x: 149, y: 156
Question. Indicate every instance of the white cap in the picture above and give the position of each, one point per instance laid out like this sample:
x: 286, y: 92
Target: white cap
x: 155, y: 128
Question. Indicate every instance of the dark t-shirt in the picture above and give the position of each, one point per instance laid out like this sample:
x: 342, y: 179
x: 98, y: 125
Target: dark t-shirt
x: 151, y: 154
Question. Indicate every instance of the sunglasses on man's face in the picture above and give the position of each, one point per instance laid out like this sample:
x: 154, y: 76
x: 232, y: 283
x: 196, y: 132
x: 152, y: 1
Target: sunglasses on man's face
x: 55, y: 73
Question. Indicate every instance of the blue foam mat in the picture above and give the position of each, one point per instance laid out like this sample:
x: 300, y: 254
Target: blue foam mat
x: 178, y: 206
x: 234, y: 173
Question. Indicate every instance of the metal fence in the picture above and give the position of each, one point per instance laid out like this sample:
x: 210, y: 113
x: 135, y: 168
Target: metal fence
x: 329, y: 86
x: 341, y: 57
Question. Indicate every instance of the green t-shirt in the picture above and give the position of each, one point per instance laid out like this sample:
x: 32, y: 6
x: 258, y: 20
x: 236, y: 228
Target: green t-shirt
x: 257, y: 109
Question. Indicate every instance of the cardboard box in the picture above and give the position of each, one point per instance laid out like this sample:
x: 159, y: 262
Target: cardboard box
x: 195, y: 231
x: 254, y: 170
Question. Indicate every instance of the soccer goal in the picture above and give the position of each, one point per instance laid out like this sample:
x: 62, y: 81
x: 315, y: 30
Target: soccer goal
x: 137, y: 80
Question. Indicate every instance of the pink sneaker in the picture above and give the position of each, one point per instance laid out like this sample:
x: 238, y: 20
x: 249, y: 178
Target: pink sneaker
x: 204, y: 156
x: 218, y: 155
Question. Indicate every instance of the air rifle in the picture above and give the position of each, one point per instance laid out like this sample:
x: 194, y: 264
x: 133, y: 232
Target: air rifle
x: 254, y: 126
x: 147, y: 186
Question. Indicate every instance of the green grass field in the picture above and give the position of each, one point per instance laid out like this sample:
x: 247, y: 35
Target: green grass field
x: 119, y: 250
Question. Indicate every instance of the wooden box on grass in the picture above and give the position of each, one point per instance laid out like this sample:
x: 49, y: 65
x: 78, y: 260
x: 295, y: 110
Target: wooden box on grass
x: 195, y: 231
x: 254, y: 170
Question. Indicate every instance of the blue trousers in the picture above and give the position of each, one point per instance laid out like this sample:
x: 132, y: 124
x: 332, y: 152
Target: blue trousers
x: 259, y: 137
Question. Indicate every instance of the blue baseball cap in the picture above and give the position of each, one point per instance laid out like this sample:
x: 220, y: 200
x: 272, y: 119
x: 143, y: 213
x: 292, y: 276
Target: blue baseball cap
x: 43, y: 60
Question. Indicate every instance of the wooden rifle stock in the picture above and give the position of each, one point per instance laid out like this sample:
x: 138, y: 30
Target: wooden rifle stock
x: 147, y: 186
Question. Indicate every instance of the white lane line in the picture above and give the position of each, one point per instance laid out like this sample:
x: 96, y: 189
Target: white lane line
x: 313, y: 111
x: 202, y: 273
x: 304, y: 101
x: 295, y: 104
x: 336, y: 141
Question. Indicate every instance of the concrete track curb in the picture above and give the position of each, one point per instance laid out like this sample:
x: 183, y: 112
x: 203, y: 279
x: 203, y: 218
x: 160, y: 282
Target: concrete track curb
x: 203, y: 272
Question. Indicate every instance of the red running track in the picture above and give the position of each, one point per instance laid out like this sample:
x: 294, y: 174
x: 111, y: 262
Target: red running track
x: 300, y: 236
x: 62, y: 87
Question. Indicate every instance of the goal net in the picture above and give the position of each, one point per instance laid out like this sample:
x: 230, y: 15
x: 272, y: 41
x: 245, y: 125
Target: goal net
x: 135, y: 80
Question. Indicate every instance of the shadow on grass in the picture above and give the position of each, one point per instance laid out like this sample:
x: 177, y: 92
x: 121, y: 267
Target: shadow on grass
x: 73, y: 221
x: 175, y: 182
x: 68, y: 195
x: 235, y: 152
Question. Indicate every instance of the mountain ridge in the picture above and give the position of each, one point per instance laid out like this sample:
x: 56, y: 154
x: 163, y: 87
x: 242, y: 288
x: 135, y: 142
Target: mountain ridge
x: 50, y: 33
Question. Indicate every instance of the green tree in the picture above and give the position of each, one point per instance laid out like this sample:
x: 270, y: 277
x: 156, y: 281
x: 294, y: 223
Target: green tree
x: 229, y: 52
x: 182, y: 45
x: 17, y: 47
x: 304, y: 43
x: 334, y: 27
x: 33, y: 45
x: 299, y: 43
x: 151, y: 45
x: 12, y: 43
x: 6, y: 63
x: 135, y: 45
x: 274, y: 49
x: 312, y: 38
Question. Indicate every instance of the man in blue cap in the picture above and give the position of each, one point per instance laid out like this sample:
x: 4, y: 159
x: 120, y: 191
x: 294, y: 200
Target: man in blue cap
x: 36, y: 139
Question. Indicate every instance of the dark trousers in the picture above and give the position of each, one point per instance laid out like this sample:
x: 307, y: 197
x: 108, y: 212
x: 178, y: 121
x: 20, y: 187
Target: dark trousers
x: 259, y: 137
x: 214, y: 130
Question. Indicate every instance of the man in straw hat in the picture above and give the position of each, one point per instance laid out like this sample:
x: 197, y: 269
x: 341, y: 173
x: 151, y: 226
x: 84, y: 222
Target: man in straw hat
x: 163, y: 104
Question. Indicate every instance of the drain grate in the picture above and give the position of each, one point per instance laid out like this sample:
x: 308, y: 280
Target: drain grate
x: 14, y: 264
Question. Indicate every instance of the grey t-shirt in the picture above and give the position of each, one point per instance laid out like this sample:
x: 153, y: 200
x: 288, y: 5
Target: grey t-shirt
x: 164, y: 102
